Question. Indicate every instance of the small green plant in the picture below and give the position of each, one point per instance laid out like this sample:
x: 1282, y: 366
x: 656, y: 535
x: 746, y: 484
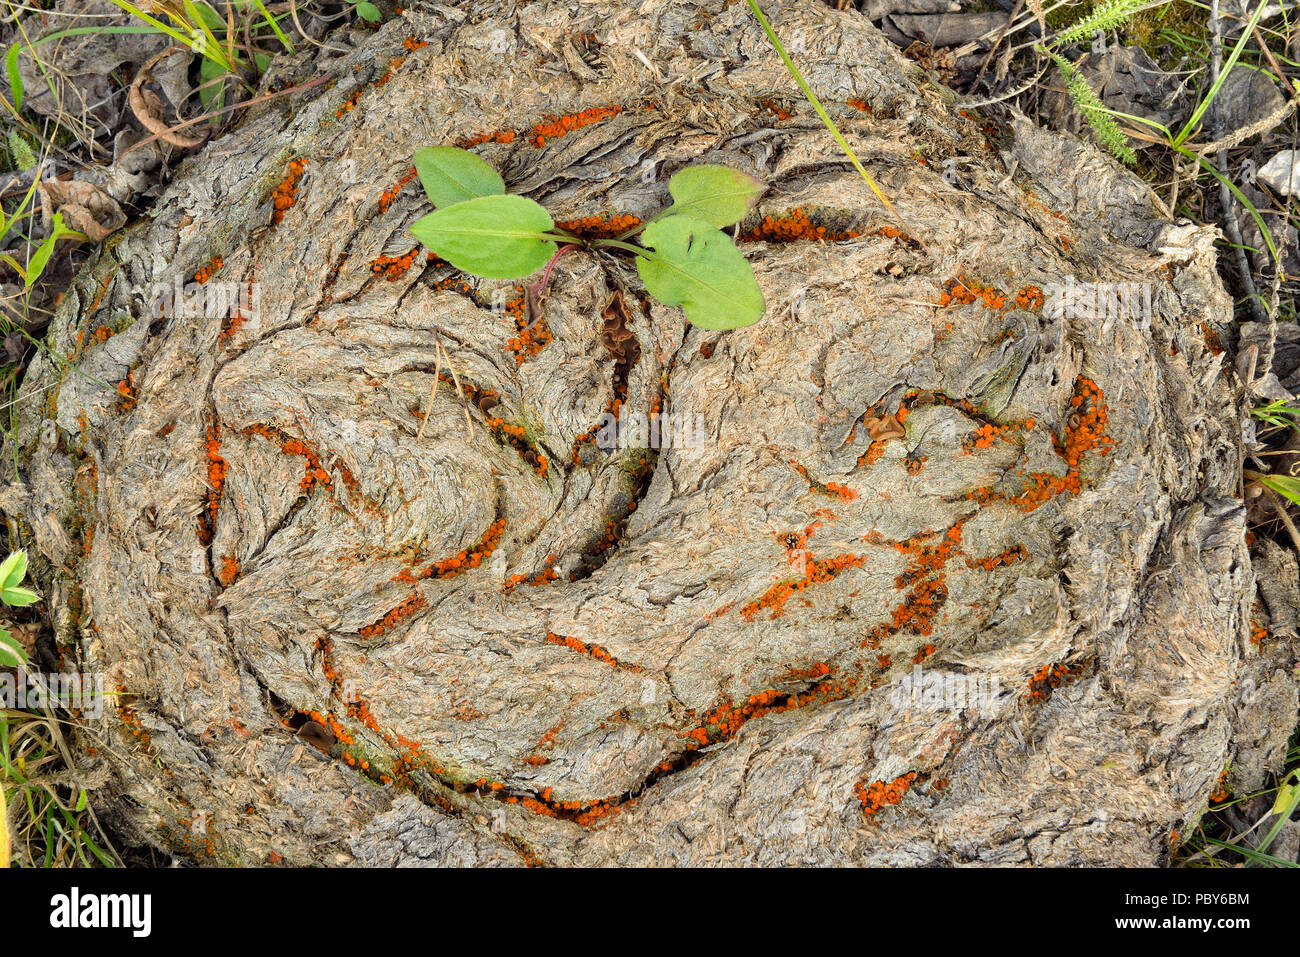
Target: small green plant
x: 1284, y: 485
x: 1277, y: 414
x: 12, y: 572
x: 1106, y: 17
x: 685, y: 259
x: 816, y: 104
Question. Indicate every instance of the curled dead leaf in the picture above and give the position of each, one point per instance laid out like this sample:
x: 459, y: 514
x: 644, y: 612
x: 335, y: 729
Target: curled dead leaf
x: 148, y: 108
x: 84, y: 206
x: 884, y: 428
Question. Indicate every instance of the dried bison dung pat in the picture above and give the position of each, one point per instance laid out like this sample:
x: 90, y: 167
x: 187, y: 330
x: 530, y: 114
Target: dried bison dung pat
x: 942, y: 572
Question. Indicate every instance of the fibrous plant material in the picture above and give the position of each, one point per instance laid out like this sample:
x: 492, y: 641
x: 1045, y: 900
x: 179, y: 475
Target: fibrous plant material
x: 989, y: 488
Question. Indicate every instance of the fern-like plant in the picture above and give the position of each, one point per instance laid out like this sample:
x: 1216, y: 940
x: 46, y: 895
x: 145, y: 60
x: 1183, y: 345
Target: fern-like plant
x: 1106, y: 17
x: 1093, y: 110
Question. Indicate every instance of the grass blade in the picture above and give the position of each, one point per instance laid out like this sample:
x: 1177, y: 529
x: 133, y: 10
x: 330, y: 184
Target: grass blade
x: 811, y: 97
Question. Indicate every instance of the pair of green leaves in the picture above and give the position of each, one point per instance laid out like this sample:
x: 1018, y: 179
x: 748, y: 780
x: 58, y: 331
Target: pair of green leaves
x: 685, y: 261
x: 12, y: 572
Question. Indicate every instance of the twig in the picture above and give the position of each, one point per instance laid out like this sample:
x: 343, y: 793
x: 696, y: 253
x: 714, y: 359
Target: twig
x: 1280, y: 509
x: 433, y: 389
x: 1225, y: 196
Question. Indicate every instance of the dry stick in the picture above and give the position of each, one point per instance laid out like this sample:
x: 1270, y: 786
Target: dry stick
x: 469, y: 425
x: 1225, y: 196
x: 293, y: 12
x: 1280, y: 508
x: 988, y: 57
x: 433, y: 389
x: 238, y: 106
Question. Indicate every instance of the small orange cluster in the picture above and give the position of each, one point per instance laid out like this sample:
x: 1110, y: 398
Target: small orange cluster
x: 217, y: 469
x: 1085, y: 432
x: 726, y: 720
x: 964, y: 293
x: 390, y: 194
x: 544, y: 577
x: 987, y: 434
x: 591, y: 651
x: 404, y: 609
x: 1047, y: 679
x: 394, y: 267
x: 859, y: 104
x: 1016, y: 553
x: 879, y: 794
x: 413, y: 44
x: 314, y: 474
x: 460, y: 563
x: 533, y: 335
x: 603, y: 226
x: 518, y: 438
x: 1212, y: 341
x: 775, y: 108
x: 843, y: 492
x: 496, y: 136
x: 793, y: 227
x: 1257, y: 633
x: 1221, y: 794
x: 130, y: 720
x: 819, y: 570
x: 819, y: 669
x: 285, y: 193
x: 335, y: 727
x: 1031, y: 297
x: 555, y: 126
x: 925, y: 575
x: 126, y: 391
x: 350, y: 103
x: 925, y: 651
x: 229, y: 570
x: 205, y: 272
x: 914, y: 463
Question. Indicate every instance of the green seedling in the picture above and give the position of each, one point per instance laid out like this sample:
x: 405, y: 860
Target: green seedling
x: 12, y: 571
x: 684, y: 260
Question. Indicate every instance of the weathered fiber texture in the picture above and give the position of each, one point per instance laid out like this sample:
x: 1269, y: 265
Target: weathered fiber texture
x: 681, y: 658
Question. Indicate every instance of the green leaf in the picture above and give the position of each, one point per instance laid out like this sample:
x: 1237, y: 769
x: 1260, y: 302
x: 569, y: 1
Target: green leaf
x: 15, y: 78
x: 1283, y: 485
x: 12, y: 569
x: 36, y: 265
x: 369, y: 12
x: 212, y: 92
x: 11, y: 653
x: 716, y: 194
x: 450, y: 175
x: 18, y: 597
x: 496, y: 237
x: 698, y: 268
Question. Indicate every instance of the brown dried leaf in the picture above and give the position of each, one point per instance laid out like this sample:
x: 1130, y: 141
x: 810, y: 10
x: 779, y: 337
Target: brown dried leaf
x: 85, y: 207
